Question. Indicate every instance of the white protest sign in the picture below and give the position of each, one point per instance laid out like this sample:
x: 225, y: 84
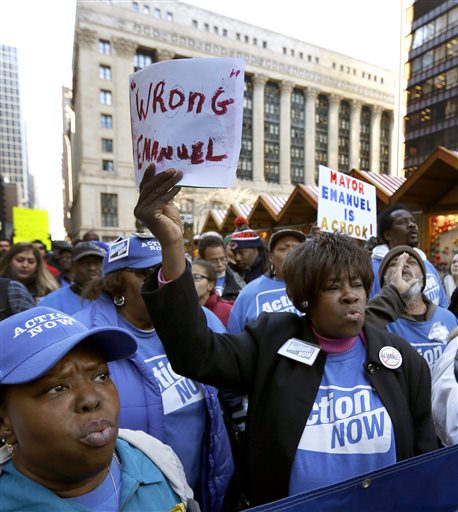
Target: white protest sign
x: 187, y: 114
x: 346, y: 204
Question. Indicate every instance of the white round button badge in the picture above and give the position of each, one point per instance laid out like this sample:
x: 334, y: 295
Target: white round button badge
x: 390, y: 357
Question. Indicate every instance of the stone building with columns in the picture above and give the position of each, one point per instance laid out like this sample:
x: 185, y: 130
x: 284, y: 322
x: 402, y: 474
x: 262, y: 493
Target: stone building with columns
x: 304, y: 106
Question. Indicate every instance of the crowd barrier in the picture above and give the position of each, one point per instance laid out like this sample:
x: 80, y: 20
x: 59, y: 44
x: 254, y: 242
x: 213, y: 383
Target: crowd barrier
x: 425, y: 483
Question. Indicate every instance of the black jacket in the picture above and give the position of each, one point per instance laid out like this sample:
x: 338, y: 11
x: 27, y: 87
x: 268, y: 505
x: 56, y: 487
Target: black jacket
x: 281, y: 391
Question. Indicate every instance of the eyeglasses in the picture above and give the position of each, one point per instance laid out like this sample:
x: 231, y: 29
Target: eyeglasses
x: 215, y: 261
x: 199, y: 277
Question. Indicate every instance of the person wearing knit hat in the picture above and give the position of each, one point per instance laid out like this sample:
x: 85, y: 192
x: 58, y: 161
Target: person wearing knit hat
x: 249, y: 254
x: 397, y: 226
x: 394, y: 253
x: 415, y: 318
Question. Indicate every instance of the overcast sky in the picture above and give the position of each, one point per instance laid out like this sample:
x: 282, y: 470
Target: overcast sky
x: 43, y: 33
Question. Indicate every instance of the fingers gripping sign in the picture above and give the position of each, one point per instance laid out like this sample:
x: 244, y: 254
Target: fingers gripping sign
x: 155, y: 208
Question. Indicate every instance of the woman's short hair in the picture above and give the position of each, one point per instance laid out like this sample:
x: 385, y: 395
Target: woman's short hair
x: 309, y: 264
x: 209, y: 269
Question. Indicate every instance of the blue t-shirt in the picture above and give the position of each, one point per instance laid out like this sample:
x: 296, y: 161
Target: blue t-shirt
x: 65, y: 300
x: 428, y: 337
x: 107, y: 496
x: 262, y: 294
x: 185, y: 411
x: 348, y: 432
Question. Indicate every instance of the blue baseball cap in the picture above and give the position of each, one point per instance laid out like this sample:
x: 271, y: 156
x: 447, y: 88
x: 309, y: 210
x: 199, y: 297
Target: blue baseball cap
x: 33, y: 341
x: 137, y: 251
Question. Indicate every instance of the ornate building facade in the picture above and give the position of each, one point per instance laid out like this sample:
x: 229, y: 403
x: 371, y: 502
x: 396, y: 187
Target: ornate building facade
x: 304, y: 106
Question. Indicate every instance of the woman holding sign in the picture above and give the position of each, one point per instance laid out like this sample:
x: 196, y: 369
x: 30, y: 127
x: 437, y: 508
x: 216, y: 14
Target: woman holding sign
x: 330, y: 396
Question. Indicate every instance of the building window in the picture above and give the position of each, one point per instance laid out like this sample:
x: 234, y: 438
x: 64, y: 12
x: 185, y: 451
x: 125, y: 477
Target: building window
x: 105, y: 97
x: 107, y: 145
x: 272, y: 133
x: 225, y: 32
x: 106, y: 121
x: 104, y: 46
x: 285, y: 50
x: 105, y: 72
x: 157, y: 13
x: 365, y: 139
x: 321, y: 132
x: 109, y: 210
x: 344, y: 137
x: 297, y: 136
x: 385, y: 143
x: 264, y: 44
x: 146, y: 9
x: 195, y: 24
x: 245, y: 167
x: 169, y: 16
x: 135, y: 6
x: 309, y: 58
x: 237, y: 36
x: 216, y: 29
x: 247, y: 39
x: 206, y: 27
x: 143, y: 58
x: 107, y: 165
x: 255, y: 41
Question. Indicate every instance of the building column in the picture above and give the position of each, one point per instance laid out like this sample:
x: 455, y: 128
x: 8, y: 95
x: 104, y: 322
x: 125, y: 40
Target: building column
x: 333, y: 131
x: 375, y: 138
x: 355, y: 128
x: 285, y: 133
x: 310, y: 136
x: 259, y: 82
x: 162, y: 55
x: 394, y: 141
x: 121, y: 68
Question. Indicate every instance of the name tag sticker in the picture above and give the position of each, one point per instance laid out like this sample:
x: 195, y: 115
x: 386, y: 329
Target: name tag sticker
x: 300, y: 350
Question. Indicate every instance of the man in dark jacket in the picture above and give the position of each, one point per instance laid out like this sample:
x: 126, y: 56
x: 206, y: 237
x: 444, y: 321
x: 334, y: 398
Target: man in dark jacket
x: 228, y: 283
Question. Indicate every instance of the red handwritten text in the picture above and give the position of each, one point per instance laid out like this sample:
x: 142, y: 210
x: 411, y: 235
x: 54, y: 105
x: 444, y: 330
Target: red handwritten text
x: 160, y: 100
x: 149, y: 150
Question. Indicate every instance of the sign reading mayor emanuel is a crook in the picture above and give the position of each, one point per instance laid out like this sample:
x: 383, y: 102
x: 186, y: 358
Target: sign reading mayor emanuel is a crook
x: 346, y: 204
x: 187, y: 114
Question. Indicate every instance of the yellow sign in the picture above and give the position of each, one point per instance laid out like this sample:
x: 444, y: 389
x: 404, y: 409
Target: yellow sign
x: 30, y: 224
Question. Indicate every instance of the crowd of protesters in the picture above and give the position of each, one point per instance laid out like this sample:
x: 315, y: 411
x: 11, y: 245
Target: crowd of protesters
x: 213, y: 368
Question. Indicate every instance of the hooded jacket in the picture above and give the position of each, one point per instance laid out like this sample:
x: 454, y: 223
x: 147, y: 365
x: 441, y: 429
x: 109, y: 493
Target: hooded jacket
x: 434, y: 290
x: 102, y: 312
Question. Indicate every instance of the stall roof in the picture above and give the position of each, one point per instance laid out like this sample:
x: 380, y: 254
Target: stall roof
x: 433, y: 187
x: 235, y: 210
x: 265, y: 211
x: 385, y: 184
x: 214, y: 219
x: 301, y: 206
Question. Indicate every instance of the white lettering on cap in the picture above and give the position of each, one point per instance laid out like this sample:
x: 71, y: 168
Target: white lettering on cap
x: 153, y: 245
x: 390, y: 357
x: 35, y: 325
